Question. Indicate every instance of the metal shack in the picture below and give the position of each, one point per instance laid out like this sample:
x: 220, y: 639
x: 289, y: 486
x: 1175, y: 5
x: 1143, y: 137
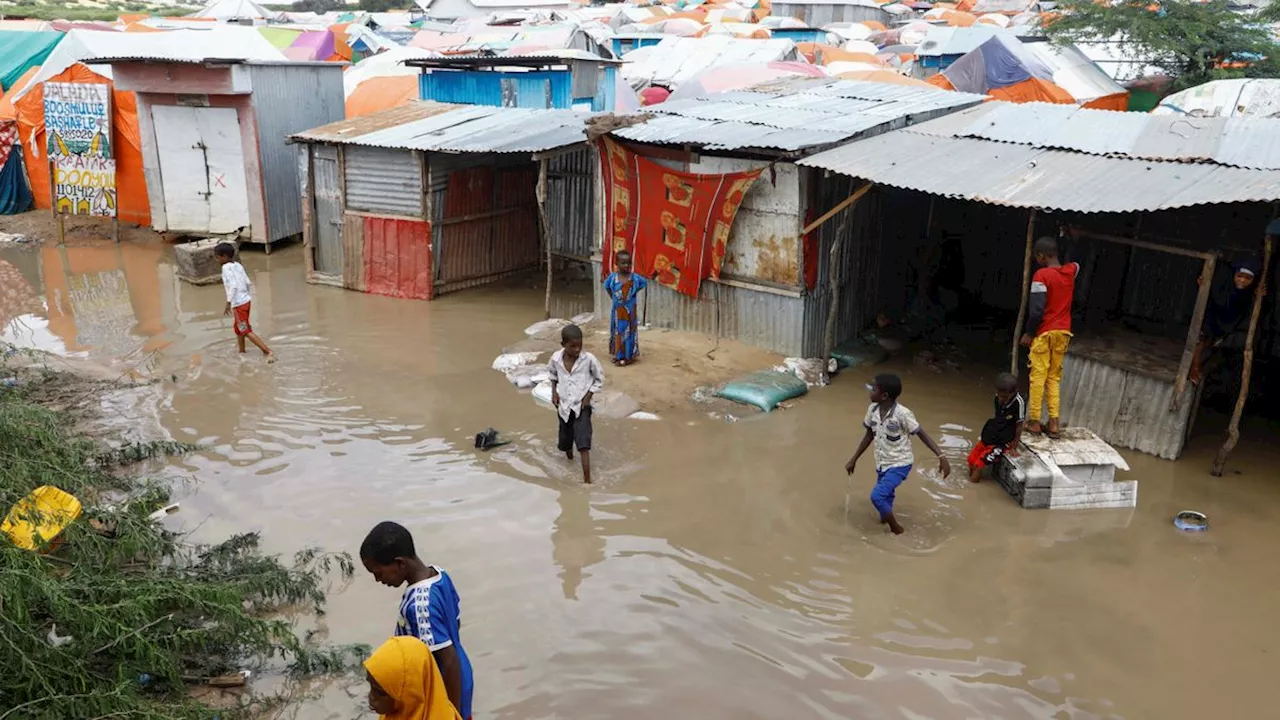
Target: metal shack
x: 772, y: 289
x: 214, y: 140
x: 428, y: 198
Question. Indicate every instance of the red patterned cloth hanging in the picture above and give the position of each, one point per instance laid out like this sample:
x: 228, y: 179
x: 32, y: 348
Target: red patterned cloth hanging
x: 675, y: 224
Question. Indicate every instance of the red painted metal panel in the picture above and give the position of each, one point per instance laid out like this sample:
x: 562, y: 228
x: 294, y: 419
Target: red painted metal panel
x: 397, y: 258
x: 490, y: 224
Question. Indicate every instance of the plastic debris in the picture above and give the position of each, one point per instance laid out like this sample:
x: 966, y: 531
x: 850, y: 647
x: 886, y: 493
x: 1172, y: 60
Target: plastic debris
x: 642, y: 415
x: 487, y: 439
x: 546, y: 328
x: 57, y: 640
x: 510, y: 361
x: 164, y: 511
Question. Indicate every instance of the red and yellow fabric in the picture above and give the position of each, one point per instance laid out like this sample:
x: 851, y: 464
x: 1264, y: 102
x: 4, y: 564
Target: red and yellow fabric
x: 675, y: 224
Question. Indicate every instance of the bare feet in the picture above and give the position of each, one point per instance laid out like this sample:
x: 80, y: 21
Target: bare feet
x: 1034, y: 427
x: 569, y: 453
x: 1053, y: 431
x: 975, y: 474
x: 271, y: 358
x: 894, y: 525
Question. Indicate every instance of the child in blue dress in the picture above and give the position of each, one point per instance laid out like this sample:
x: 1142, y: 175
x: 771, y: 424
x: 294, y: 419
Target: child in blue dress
x: 623, y: 287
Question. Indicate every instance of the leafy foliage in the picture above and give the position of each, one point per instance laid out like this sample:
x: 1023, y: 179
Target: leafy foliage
x: 1192, y: 42
x: 147, y: 612
x: 384, y: 5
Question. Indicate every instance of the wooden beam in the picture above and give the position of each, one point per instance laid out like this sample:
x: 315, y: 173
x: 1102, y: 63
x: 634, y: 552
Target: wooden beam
x: 857, y: 195
x: 543, y: 226
x: 1159, y: 247
x: 833, y: 284
x: 1193, y: 333
x: 1233, y: 429
x: 1026, y: 286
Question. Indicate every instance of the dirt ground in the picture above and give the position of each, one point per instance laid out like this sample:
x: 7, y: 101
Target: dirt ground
x: 41, y: 224
x: 672, y: 363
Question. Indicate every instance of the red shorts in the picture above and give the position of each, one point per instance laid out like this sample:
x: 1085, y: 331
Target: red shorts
x: 240, y: 314
x: 983, y: 455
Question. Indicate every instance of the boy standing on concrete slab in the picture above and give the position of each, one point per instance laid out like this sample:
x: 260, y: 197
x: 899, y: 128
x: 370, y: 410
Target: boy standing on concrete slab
x: 1048, y: 332
x: 891, y: 426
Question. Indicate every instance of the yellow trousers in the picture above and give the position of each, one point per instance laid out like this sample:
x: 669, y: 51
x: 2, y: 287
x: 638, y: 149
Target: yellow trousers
x: 1047, y: 352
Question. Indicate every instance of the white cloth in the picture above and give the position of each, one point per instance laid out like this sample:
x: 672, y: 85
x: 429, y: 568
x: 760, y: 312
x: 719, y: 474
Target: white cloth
x: 587, y: 376
x: 236, y: 282
x: 893, y: 435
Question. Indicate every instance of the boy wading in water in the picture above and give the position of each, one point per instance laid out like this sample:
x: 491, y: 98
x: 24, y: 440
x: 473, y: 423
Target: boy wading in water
x: 576, y: 376
x: 1002, y: 433
x: 891, y: 426
x: 236, y: 282
x: 429, y: 611
x: 1048, y: 331
x: 623, y: 287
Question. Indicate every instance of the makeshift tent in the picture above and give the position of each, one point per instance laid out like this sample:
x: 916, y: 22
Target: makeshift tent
x: 724, y: 78
x: 384, y: 64
x: 131, y: 185
x: 1089, y: 84
x: 14, y: 195
x: 1002, y: 68
x: 1254, y: 97
x: 381, y: 93
x: 224, y: 10
x: 309, y: 46
x: 883, y: 76
x: 20, y: 51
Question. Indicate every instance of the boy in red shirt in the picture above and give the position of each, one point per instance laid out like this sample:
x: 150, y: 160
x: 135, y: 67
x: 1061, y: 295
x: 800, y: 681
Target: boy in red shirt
x: 1048, y: 331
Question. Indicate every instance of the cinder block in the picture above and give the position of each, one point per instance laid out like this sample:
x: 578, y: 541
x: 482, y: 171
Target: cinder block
x: 196, y: 263
x: 1036, y: 498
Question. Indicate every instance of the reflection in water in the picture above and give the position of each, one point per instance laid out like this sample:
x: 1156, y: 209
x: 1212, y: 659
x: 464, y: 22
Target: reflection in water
x: 714, y: 571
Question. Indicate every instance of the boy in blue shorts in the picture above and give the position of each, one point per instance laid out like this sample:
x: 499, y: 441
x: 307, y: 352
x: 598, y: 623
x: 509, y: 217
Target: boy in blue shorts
x: 891, y: 426
x: 429, y: 609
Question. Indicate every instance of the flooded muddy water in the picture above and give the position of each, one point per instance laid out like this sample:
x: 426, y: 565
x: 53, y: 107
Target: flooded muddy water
x: 713, y: 571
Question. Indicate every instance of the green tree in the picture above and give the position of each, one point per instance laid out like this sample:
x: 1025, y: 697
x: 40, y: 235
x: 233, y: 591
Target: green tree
x: 1192, y: 42
x: 383, y: 5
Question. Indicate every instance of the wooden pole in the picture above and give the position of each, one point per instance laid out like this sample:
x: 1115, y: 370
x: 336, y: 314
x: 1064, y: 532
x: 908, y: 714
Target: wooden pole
x: 543, y: 227
x: 1193, y: 333
x: 1233, y: 429
x: 833, y: 284
x: 853, y: 198
x: 1026, y: 287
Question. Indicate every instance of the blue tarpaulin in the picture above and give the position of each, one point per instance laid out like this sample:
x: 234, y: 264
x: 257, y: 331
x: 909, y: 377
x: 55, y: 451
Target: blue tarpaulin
x: 15, y: 196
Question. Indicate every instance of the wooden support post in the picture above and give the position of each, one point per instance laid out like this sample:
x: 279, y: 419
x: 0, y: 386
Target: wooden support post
x: 1233, y: 429
x: 1193, y: 333
x: 543, y: 226
x: 833, y: 275
x: 1026, y: 287
x: 855, y: 197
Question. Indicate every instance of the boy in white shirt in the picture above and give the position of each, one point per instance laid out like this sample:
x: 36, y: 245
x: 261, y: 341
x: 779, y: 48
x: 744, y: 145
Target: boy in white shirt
x: 576, y: 375
x: 236, y: 282
x: 891, y: 426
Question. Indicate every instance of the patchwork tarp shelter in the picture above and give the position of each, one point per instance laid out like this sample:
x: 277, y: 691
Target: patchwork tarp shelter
x: 20, y: 51
x: 1004, y: 69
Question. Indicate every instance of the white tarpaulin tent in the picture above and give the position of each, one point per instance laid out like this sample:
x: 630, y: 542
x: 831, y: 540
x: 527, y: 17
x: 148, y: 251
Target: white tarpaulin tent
x: 225, y: 10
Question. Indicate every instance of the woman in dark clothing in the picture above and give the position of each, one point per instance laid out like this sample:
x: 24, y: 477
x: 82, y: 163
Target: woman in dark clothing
x: 1229, y: 304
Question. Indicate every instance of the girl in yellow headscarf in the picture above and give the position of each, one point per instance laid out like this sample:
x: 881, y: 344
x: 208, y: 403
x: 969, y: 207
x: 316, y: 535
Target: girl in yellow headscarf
x: 405, y: 684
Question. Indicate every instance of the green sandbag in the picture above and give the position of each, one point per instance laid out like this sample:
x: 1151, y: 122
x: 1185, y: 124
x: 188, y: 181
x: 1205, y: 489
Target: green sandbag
x: 856, y: 352
x: 764, y: 389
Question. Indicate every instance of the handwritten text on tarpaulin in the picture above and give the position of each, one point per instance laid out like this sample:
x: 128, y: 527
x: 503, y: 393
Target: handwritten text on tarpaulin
x: 675, y: 224
x: 77, y: 119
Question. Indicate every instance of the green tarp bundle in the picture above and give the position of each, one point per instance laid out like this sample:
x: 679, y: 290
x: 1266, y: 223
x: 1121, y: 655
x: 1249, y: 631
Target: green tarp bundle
x: 21, y: 50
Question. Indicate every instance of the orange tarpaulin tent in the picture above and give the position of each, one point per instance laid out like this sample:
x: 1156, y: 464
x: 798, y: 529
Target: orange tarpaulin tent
x: 381, y: 93
x: 1029, y: 90
x: 131, y: 185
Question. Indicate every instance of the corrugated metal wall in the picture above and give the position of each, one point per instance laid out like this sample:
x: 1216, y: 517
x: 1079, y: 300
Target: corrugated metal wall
x: 857, y: 263
x: 571, y: 210
x: 1125, y: 409
x: 384, y: 181
x: 353, y: 252
x: 819, y: 15
x: 546, y: 89
x: 485, y: 222
x: 763, y: 319
x: 288, y: 99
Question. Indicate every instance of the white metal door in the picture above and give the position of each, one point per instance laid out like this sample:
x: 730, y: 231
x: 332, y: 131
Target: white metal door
x: 201, y: 168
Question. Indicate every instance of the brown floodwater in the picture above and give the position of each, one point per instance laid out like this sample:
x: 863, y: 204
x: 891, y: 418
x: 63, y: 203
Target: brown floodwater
x: 713, y: 571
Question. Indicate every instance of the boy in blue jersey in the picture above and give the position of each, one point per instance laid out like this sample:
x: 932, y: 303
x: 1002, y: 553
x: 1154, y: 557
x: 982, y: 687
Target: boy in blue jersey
x: 429, y: 609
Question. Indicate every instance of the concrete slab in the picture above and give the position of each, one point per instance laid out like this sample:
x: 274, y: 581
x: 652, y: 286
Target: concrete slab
x: 195, y: 261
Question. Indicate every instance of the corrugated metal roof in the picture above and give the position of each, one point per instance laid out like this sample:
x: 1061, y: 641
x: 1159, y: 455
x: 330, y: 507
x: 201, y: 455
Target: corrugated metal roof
x: 1024, y: 176
x: 1238, y: 142
x: 792, y: 115
x: 441, y: 127
x: 676, y: 59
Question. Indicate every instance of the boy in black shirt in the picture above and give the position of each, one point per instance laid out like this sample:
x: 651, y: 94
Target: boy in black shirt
x: 1002, y: 433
